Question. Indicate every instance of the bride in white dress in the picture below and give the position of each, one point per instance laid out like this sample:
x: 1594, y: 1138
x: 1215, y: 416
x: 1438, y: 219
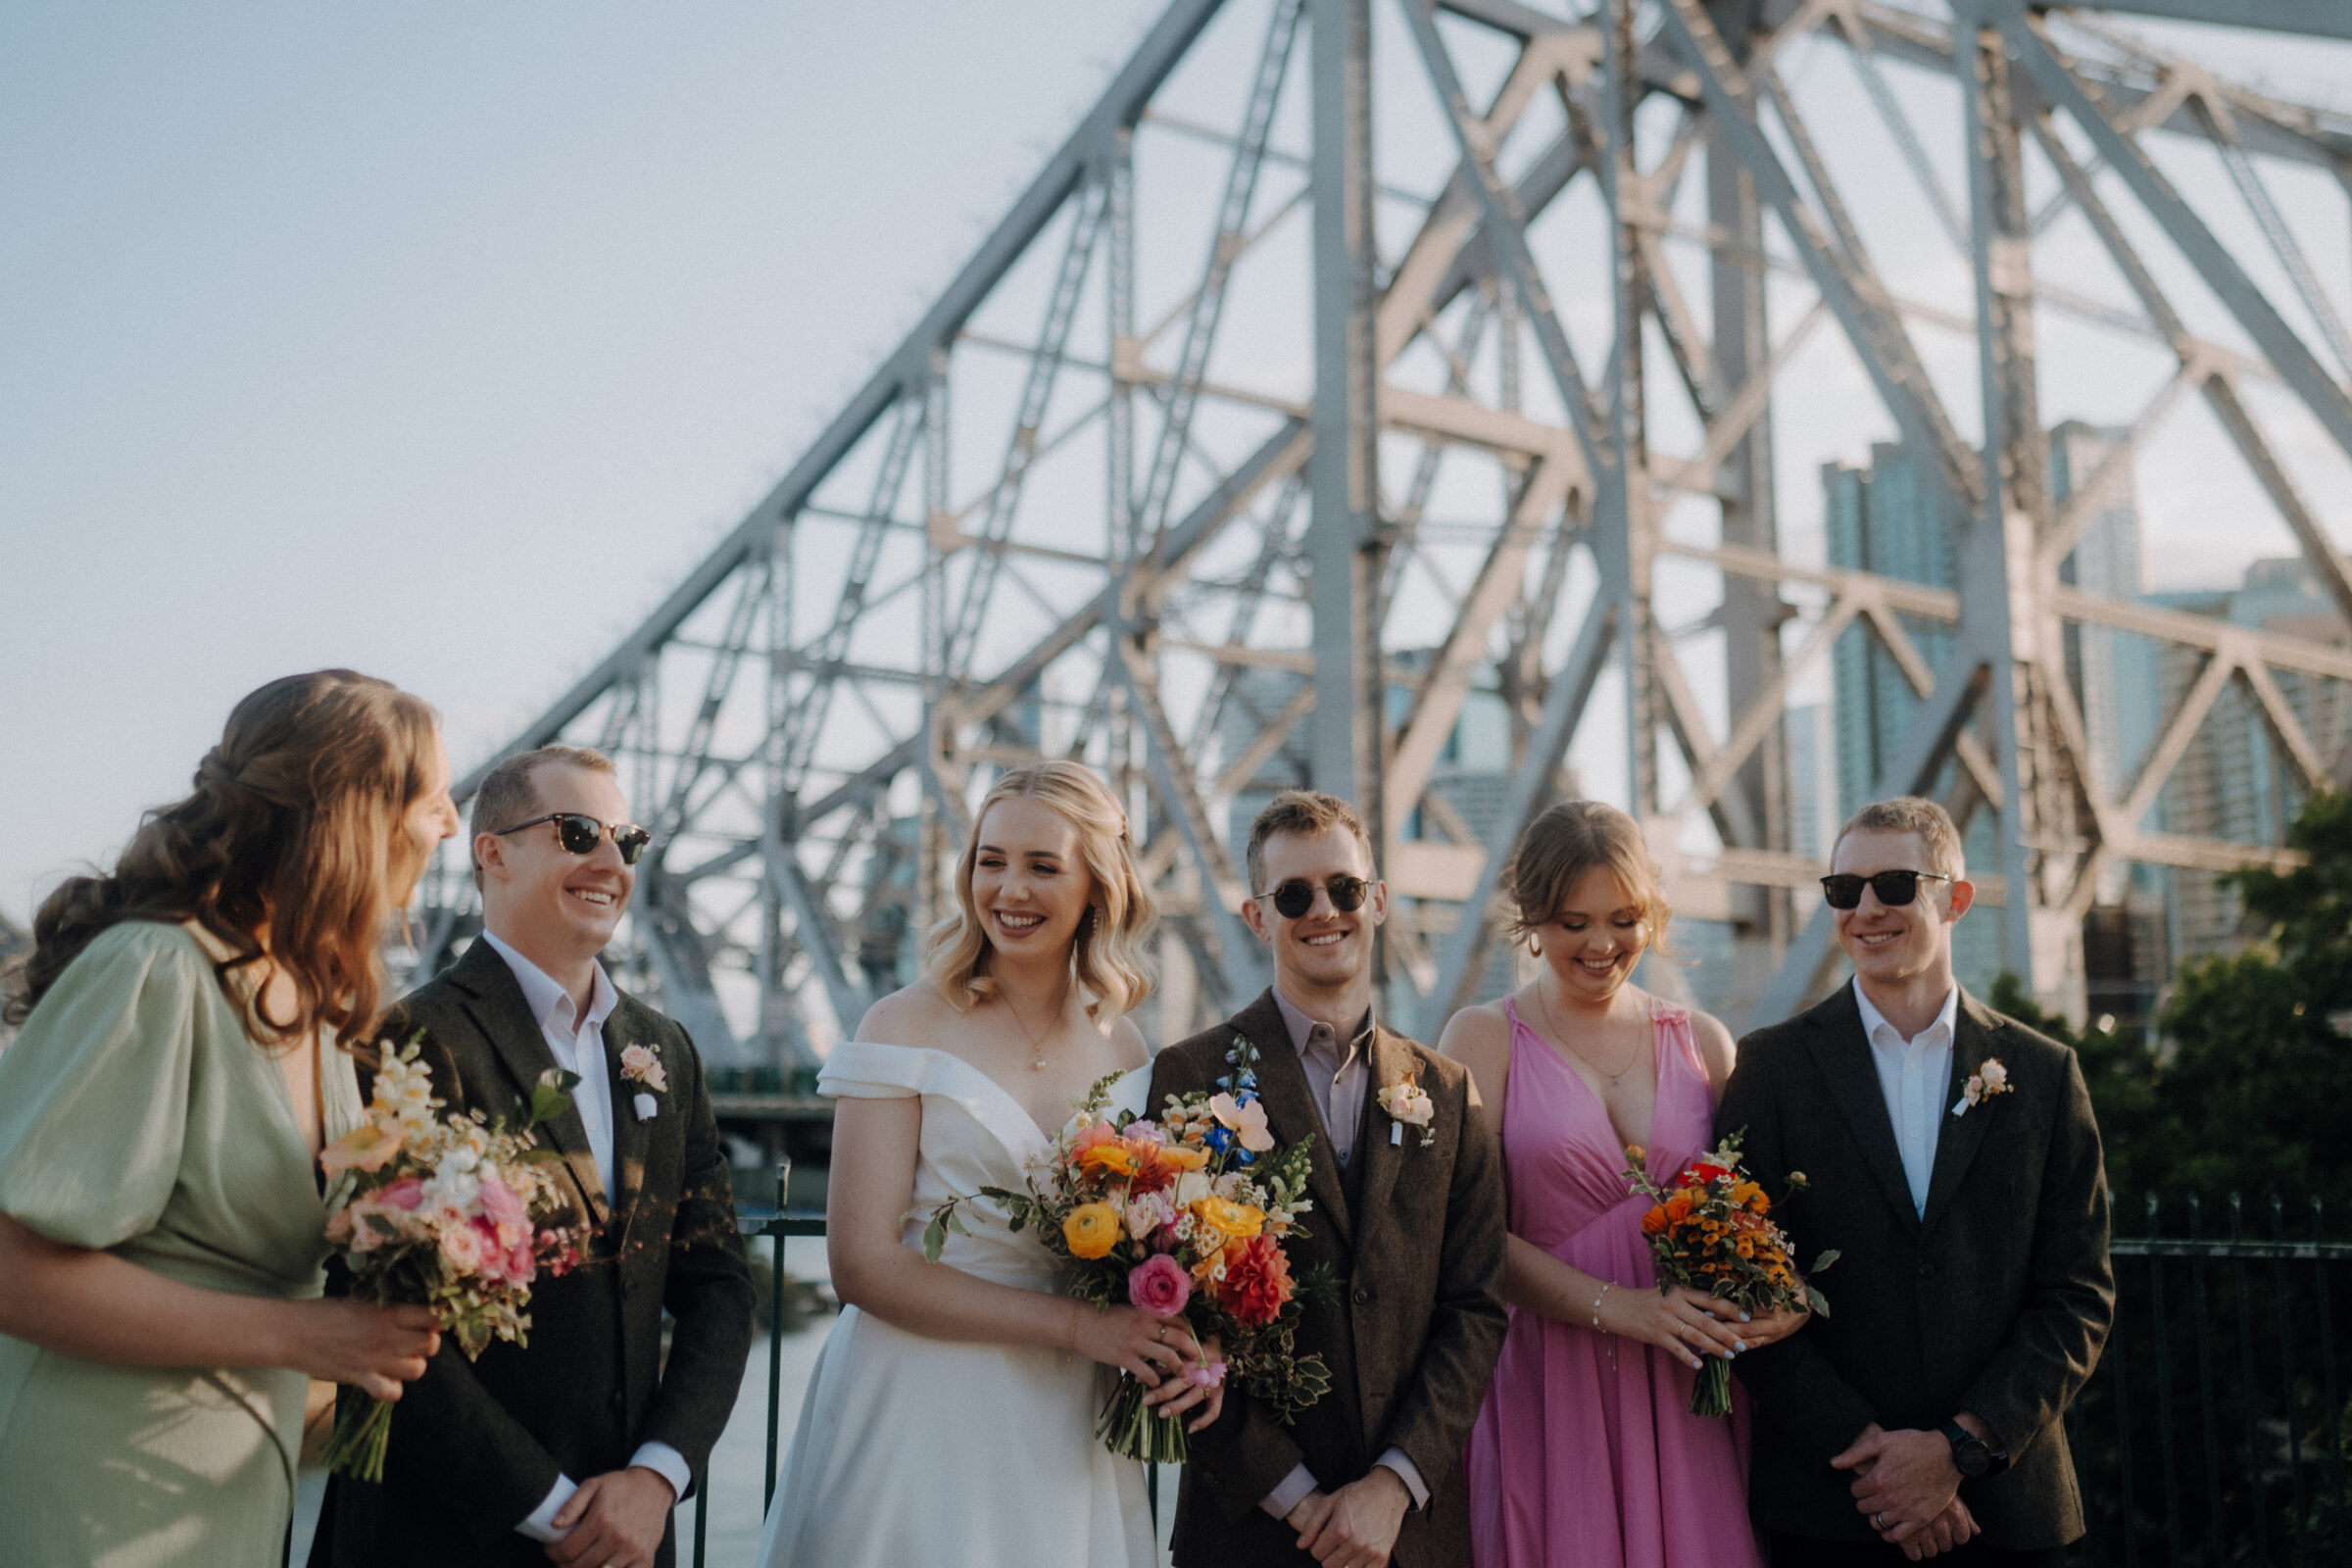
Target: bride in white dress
x: 950, y: 1418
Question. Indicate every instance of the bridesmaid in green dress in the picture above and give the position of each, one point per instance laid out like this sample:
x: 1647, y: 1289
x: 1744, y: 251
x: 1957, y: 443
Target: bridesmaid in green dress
x: 160, y: 1115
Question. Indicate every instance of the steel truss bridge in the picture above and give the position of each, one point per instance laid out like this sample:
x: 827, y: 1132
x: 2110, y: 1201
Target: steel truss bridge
x: 1312, y: 392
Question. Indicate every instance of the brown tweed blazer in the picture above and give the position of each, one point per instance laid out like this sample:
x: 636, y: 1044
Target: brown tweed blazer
x: 1997, y: 1299
x: 1414, y: 1236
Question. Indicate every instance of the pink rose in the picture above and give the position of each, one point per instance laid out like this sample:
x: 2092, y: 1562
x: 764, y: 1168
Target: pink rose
x: 406, y: 1193
x: 1160, y: 1286
x: 488, y: 1247
x: 521, y: 1263
x: 640, y: 1065
x: 462, y: 1249
x: 502, y: 1208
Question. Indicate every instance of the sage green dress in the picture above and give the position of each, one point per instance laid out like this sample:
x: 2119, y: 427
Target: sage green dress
x: 137, y: 1116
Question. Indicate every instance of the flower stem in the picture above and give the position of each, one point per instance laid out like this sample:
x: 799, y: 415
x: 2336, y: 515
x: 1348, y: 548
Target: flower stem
x: 1711, y: 1395
x: 361, y: 1441
x: 1134, y: 1430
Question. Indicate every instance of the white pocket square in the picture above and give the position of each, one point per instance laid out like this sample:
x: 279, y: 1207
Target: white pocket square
x: 645, y: 1106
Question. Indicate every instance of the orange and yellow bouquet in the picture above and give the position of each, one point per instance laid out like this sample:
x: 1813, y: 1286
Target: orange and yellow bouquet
x: 1710, y: 1231
x: 1184, y: 1217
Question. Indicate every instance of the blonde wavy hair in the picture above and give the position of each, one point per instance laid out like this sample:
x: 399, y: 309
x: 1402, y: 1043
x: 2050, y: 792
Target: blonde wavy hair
x: 1108, y: 955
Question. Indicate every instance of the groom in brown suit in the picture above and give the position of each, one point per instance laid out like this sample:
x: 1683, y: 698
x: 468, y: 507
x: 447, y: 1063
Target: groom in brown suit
x: 1954, y: 1163
x: 1410, y: 1224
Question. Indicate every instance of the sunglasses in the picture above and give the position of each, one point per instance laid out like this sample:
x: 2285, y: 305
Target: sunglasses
x: 580, y: 834
x: 1845, y: 890
x: 1298, y: 895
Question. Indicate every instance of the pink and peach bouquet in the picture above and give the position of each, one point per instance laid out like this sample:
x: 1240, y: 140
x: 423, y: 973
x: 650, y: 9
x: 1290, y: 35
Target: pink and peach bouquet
x: 1183, y: 1218
x: 447, y: 1212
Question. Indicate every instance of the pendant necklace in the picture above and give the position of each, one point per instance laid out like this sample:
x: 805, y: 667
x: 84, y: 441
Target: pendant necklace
x: 1544, y: 1008
x: 1037, y: 1045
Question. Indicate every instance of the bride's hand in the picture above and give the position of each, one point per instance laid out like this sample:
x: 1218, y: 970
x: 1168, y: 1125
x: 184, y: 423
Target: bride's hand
x: 1180, y: 1394
x: 373, y: 1348
x: 1135, y: 1342
x: 1678, y: 1319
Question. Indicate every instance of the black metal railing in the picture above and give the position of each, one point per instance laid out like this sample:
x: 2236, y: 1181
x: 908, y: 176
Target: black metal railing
x: 2213, y: 1432
x: 2231, y: 1346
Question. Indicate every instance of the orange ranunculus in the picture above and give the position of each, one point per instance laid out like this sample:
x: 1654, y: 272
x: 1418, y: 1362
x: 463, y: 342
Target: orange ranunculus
x: 1092, y: 1230
x: 1678, y: 1209
x: 1747, y: 1196
x: 1654, y: 1222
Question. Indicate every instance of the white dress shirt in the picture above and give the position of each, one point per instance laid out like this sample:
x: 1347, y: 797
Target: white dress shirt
x: 1913, y: 1075
x: 579, y: 1045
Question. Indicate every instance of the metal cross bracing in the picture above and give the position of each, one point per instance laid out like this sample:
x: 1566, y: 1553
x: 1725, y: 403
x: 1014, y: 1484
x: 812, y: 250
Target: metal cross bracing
x: 1360, y: 372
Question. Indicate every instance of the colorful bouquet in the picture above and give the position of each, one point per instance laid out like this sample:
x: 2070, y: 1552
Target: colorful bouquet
x: 442, y: 1212
x: 1709, y: 1232
x: 1184, y: 1219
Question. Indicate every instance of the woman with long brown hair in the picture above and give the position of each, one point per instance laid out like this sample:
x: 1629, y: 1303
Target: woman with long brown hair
x: 184, y: 1054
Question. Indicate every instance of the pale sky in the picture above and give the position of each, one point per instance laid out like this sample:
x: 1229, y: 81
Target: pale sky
x: 441, y: 339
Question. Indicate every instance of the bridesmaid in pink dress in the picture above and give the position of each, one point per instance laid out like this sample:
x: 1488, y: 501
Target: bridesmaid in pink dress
x: 1585, y: 1454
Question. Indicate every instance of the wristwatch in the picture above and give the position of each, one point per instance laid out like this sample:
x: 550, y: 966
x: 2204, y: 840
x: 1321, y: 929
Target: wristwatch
x: 1976, y: 1458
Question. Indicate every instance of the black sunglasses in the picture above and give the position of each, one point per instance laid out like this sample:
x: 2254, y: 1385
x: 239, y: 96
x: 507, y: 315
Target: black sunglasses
x: 1298, y: 895
x: 579, y: 833
x: 1844, y: 890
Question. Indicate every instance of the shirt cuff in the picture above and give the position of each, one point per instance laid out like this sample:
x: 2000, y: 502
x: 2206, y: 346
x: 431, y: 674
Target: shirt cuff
x: 1294, y: 1489
x: 667, y: 1463
x: 1407, y: 1472
x: 541, y: 1525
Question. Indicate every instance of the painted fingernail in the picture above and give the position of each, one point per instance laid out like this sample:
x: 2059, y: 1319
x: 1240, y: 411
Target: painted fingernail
x: 1737, y: 1345
x: 1744, y: 1318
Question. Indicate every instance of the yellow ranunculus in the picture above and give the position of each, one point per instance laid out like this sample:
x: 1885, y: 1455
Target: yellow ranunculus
x: 1184, y: 1157
x: 1092, y: 1230
x: 1118, y: 1159
x: 1230, y: 1219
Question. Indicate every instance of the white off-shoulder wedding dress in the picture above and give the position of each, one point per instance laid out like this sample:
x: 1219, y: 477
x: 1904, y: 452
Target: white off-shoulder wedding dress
x: 914, y: 1452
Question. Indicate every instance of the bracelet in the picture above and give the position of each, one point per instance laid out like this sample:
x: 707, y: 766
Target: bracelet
x: 1604, y: 1290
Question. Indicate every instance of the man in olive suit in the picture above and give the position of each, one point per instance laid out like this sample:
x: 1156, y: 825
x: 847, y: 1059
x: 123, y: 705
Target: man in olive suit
x: 576, y: 1448
x: 1409, y: 1218
x: 1954, y: 1164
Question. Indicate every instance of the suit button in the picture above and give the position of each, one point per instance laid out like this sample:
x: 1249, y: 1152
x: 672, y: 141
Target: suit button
x: 1926, y: 1270
x: 619, y: 1399
x: 1363, y: 1298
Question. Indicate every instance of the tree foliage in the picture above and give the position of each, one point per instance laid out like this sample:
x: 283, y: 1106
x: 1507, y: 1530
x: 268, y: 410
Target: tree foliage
x: 2247, y: 1086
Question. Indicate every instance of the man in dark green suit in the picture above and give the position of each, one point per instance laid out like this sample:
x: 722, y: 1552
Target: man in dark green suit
x: 576, y: 1448
x: 1407, y: 1220
x: 1954, y: 1163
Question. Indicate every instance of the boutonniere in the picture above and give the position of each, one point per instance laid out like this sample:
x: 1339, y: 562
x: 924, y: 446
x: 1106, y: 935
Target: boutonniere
x: 1409, y: 1107
x: 1987, y: 1081
x: 641, y: 1066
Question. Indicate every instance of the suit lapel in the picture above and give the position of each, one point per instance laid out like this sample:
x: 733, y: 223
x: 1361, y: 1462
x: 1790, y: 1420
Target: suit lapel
x: 1842, y: 1053
x: 1378, y: 1152
x: 1959, y: 1137
x: 495, y: 1003
x: 1291, y: 1106
x: 627, y: 1025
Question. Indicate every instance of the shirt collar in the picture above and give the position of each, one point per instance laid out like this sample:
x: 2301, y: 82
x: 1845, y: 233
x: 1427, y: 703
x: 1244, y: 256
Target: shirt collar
x: 1946, y: 1016
x: 546, y: 996
x: 1301, y: 1026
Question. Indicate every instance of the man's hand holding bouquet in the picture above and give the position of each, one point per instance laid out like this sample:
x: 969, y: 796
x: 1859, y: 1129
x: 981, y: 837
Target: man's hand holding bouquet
x: 1183, y: 1218
x: 444, y: 1212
